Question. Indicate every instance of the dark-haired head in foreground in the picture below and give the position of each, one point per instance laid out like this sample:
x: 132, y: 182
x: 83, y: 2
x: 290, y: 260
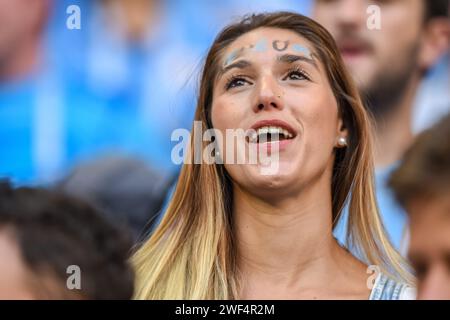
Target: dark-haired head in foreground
x: 422, y: 185
x: 55, y: 247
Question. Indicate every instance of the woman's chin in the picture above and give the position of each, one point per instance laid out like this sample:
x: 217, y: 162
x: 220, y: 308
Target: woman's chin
x: 272, y: 178
x: 275, y: 170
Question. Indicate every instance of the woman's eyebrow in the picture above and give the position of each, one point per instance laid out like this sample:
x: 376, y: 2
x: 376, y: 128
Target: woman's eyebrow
x: 291, y: 58
x: 285, y: 58
x: 241, y: 64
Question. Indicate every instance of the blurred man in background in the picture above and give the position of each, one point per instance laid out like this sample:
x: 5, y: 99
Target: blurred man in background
x: 56, y: 247
x: 422, y: 185
x: 388, y: 66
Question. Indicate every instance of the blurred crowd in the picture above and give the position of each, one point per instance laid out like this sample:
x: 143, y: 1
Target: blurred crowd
x: 89, y: 108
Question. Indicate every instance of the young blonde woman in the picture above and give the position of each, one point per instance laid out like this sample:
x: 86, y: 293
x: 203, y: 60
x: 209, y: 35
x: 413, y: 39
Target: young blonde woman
x: 231, y: 232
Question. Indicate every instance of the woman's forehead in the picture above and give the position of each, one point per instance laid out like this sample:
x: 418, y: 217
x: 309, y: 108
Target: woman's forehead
x: 267, y: 40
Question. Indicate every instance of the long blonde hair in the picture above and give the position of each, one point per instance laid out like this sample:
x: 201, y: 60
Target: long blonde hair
x: 192, y: 252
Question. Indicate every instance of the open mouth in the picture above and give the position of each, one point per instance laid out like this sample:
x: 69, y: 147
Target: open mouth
x: 271, y: 131
x: 270, y: 134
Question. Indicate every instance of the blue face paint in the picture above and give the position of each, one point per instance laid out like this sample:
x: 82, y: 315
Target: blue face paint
x: 261, y: 45
x: 301, y: 49
x: 231, y: 57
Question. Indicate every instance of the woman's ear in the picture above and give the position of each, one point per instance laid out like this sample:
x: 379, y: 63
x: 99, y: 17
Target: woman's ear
x: 341, y: 135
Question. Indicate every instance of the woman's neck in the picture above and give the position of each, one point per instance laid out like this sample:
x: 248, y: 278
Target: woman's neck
x: 288, y: 246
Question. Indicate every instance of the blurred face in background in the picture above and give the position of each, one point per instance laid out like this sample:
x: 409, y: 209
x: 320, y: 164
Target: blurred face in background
x: 20, y: 22
x: 429, y: 250
x: 381, y: 61
x: 133, y: 17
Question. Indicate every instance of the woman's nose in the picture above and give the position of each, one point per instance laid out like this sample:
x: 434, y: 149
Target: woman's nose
x: 268, y: 95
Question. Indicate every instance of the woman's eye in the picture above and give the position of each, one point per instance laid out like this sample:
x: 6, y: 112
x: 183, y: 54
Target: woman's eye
x: 236, y: 82
x: 296, y: 75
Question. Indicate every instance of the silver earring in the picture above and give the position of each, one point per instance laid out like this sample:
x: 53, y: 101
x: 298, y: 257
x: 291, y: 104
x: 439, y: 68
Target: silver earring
x: 342, y: 142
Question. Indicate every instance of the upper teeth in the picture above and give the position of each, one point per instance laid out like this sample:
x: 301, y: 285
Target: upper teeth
x: 270, y: 130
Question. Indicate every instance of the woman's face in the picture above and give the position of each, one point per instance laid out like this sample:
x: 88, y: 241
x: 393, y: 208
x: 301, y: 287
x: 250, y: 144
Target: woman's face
x: 271, y: 81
